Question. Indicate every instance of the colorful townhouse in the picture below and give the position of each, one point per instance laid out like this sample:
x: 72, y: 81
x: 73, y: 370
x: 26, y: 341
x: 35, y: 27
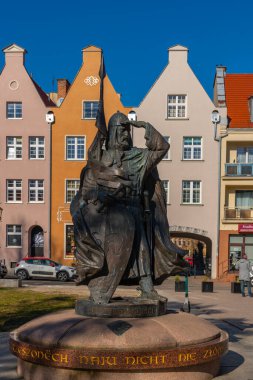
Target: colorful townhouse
x: 24, y: 162
x: 178, y: 106
x: 236, y: 187
x: 72, y: 134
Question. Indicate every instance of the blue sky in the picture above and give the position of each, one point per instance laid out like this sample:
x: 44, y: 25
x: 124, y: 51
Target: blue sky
x: 134, y: 35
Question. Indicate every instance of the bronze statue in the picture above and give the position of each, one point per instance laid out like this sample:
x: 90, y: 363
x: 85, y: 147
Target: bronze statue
x: 119, y: 214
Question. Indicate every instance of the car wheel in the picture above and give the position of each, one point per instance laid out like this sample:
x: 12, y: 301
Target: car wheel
x: 22, y: 274
x: 62, y: 276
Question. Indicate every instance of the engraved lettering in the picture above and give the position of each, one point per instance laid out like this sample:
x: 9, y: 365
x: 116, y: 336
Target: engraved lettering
x: 147, y: 358
x: 84, y: 359
x: 130, y: 360
x: 162, y: 359
x: 64, y: 358
x: 55, y: 357
x: 48, y: 355
x: 34, y: 354
x: 111, y: 360
x: 187, y: 357
x: 94, y: 360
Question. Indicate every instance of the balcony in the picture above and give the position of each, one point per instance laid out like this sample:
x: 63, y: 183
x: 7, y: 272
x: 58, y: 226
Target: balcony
x: 237, y: 213
x: 239, y: 170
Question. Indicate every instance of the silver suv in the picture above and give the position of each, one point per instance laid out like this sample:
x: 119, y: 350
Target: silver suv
x: 43, y: 267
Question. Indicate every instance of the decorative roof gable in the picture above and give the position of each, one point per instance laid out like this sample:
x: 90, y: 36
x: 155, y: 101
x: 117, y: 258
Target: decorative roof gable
x: 14, y: 49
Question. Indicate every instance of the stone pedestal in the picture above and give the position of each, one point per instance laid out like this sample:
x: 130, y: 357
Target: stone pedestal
x: 68, y: 346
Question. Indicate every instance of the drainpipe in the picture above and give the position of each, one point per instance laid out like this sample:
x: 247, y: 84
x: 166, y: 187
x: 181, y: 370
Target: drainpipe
x: 50, y: 120
x: 216, y: 120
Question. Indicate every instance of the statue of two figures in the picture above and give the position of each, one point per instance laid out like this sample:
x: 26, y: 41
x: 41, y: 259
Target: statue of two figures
x: 119, y: 214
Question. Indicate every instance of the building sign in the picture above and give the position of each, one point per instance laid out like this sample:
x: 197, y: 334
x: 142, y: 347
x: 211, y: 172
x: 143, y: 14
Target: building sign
x: 245, y: 228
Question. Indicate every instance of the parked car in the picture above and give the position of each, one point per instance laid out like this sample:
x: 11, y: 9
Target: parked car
x: 3, y: 270
x: 43, y: 267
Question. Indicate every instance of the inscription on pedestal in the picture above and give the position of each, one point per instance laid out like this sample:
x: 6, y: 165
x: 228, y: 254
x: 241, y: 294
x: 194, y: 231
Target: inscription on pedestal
x: 82, y: 359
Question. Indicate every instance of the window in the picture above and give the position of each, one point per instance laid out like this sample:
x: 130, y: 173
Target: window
x: 90, y: 110
x: 36, y: 148
x: 14, y: 190
x: 167, y: 155
x: 72, y: 187
x: 75, y: 147
x: 192, y: 148
x: 36, y: 190
x: 238, y: 246
x: 245, y: 155
x: 244, y: 199
x: 176, y: 106
x: 69, y: 241
x: 191, y: 192
x: 14, y: 110
x: 166, y: 189
x: 14, y: 148
x: 13, y: 235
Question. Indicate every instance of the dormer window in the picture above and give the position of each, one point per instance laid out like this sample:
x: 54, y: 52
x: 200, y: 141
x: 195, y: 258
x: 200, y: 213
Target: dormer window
x: 14, y: 110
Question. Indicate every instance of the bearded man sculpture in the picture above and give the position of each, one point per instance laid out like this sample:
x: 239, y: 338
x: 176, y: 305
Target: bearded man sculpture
x: 119, y: 214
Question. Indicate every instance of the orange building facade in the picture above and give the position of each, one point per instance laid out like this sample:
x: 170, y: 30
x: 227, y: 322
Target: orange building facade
x: 72, y: 133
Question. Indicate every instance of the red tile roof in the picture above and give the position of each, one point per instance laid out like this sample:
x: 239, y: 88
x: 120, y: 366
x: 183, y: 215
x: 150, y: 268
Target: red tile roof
x: 238, y: 88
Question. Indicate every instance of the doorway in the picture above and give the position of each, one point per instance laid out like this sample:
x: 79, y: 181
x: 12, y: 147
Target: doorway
x: 37, y: 242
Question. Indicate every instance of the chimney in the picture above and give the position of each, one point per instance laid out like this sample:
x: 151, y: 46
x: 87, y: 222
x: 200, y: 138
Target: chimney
x: 178, y: 54
x: 219, y: 86
x: 62, y: 88
x: 14, y: 53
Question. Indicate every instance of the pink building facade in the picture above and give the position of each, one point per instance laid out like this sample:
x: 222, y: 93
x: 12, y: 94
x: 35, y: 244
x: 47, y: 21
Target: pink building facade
x: 24, y: 162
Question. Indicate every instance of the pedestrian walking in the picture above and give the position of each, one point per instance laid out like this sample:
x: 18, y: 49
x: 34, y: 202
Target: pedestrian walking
x: 244, y: 268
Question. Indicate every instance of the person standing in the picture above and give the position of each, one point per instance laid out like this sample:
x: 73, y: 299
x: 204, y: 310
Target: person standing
x: 244, y: 268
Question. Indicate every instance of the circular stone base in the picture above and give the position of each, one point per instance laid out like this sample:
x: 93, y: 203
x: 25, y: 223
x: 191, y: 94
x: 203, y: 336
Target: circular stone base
x: 67, y: 346
x: 131, y: 307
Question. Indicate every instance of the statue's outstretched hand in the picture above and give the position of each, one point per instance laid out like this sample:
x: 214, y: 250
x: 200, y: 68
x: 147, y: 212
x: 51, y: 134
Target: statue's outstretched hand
x: 137, y: 124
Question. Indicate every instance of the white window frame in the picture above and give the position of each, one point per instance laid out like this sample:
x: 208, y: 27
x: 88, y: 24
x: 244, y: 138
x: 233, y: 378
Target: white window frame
x: 15, y: 110
x: 14, y: 146
x: 35, y: 189
x: 14, y: 232
x: 167, y: 156
x: 191, y: 189
x: 37, y: 146
x: 192, y: 147
x: 65, y: 256
x: 83, y: 109
x: 167, y: 190
x: 177, y: 104
x: 77, y: 180
x: 13, y: 187
x: 66, y: 147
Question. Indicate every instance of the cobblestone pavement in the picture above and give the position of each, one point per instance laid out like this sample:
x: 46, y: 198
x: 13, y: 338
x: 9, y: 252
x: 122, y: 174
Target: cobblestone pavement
x: 228, y: 311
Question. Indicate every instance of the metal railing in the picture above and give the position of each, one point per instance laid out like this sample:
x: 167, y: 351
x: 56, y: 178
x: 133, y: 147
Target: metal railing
x: 237, y: 213
x: 239, y: 170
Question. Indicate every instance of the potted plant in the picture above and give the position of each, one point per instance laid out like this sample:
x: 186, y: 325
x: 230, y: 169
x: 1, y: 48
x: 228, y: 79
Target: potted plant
x: 207, y: 285
x: 179, y: 284
x: 236, y: 286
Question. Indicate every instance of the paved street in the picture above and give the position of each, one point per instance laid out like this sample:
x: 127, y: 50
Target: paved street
x: 230, y: 312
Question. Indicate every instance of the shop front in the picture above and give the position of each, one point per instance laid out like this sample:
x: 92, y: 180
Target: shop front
x: 238, y: 243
